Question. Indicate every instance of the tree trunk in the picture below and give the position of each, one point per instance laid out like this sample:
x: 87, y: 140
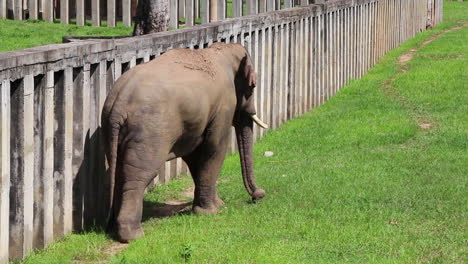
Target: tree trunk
x: 152, y: 16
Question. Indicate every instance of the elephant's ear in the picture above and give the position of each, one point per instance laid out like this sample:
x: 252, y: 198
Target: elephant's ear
x: 250, y: 75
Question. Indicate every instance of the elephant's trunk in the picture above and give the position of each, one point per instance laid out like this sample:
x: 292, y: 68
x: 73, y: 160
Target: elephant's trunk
x: 245, y: 143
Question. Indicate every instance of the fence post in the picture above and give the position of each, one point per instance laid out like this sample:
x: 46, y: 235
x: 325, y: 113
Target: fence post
x: 252, y: 7
x: 111, y: 13
x: 5, y: 116
x: 126, y: 12
x: 189, y: 12
x: 64, y: 11
x: 3, y: 8
x: 236, y: 8
x: 204, y: 11
x: 32, y: 9
x: 174, y: 15
x: 221, y: 9
x: 48, y: 10
x: 22, y: 168
x: 96, y: 12
x: 80, y: 12
x: 18, y: 9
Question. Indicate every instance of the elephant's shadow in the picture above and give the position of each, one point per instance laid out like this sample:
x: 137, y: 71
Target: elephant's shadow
x: 162, y: 209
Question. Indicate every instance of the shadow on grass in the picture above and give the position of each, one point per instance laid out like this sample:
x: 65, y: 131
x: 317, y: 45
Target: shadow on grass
x: 162, y: 210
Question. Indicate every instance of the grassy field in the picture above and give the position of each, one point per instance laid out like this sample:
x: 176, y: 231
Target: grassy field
x: 15, y: 35
x: 376, y: 175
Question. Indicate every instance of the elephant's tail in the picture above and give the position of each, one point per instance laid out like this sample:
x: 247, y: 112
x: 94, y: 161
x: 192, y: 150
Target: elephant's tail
x: 112, y: 159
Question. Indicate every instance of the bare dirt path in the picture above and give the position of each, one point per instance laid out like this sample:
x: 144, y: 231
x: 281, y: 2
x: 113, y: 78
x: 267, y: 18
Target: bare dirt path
x: 405, y: 58
x: 422, y: 118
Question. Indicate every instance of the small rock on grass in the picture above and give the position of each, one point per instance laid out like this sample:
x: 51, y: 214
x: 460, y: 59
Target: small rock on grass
x: 268, y: 153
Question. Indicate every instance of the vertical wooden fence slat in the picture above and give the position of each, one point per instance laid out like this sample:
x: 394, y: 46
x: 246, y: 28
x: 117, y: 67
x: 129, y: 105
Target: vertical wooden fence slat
x: 311, y: 46
x: 292, y: 70
x: 297, y: 70
x: 32, y: 9
x: 80, y: 12
x: 334, y: 49
x: 275, y: 75
x: 28, y: 162
x: 328, y: 46
x: 269, y: 75
x: 111, y: 12
x: 67, y: 203
x: 18, y: 10
x: 189, y: 11
x: 126, y: 12
x: 3, y: 8
x: 256, y: 58
x: 64, y: 12
x: 57, y: 82
x: 288, y: 3
x: 101, y: 169
x: 262, y: 6
x: 252, y: 7
x: 286, y: 78
x: 261, y: 109
x: 270, y: 5
x: 321, y: 52
x: 5, y: 117
x: 48, y: 10
x: 43, y: 163
x: 22, y: 168
x: 345, y: 22
x: 204, y: 11
x: 48, y: 159
x: 236, y: 8
x: 96, y: 12
x: 281, y: 70
x: 305, y: 64
x: 302, y: 68
x: 364, y: 39
x: 314, y: 61
x: 174, y: 16
x: 221, y: 9
x: 181, y: 8
x: 81, y: 143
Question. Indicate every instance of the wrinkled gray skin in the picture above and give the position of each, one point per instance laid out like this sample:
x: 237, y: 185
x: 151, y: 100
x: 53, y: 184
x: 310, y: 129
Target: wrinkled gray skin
x: 182, y: 104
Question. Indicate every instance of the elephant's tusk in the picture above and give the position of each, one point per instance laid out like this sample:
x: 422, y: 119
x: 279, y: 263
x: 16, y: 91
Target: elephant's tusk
x: 258, y: 121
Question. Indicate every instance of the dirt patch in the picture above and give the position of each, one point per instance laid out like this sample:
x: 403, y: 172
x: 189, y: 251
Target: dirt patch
x: 421, y: 118
x: 405, y: 58
x: 425, y: 125
x: 109, y: 251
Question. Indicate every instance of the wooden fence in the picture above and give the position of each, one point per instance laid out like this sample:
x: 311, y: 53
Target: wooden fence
x: 52, y: 170
x: 111, y: 11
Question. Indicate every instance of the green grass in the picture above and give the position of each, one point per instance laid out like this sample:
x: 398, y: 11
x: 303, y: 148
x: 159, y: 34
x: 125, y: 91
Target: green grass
x: 15, y: 35
x: 357, y: 180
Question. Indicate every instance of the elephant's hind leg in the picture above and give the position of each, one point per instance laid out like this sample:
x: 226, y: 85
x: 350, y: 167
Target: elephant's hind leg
x: 140, y: 165
x: 205, y: 164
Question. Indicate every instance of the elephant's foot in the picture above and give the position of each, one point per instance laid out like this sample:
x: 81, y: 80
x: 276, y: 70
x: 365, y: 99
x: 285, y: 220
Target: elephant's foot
x: 211, y: 210
x: 127, y: 233
x: 218, y: 202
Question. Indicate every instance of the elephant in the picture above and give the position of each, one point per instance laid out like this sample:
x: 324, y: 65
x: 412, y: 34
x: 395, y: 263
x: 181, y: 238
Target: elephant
x: 181, y: 104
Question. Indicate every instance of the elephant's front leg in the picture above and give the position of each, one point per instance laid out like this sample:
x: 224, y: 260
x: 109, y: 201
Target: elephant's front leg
x: 205, y: 164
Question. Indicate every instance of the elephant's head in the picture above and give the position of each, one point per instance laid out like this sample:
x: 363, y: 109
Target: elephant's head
x: 245, y: 82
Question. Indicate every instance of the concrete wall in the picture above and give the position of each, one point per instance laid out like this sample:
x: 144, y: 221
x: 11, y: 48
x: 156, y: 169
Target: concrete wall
x: 52, y: 169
